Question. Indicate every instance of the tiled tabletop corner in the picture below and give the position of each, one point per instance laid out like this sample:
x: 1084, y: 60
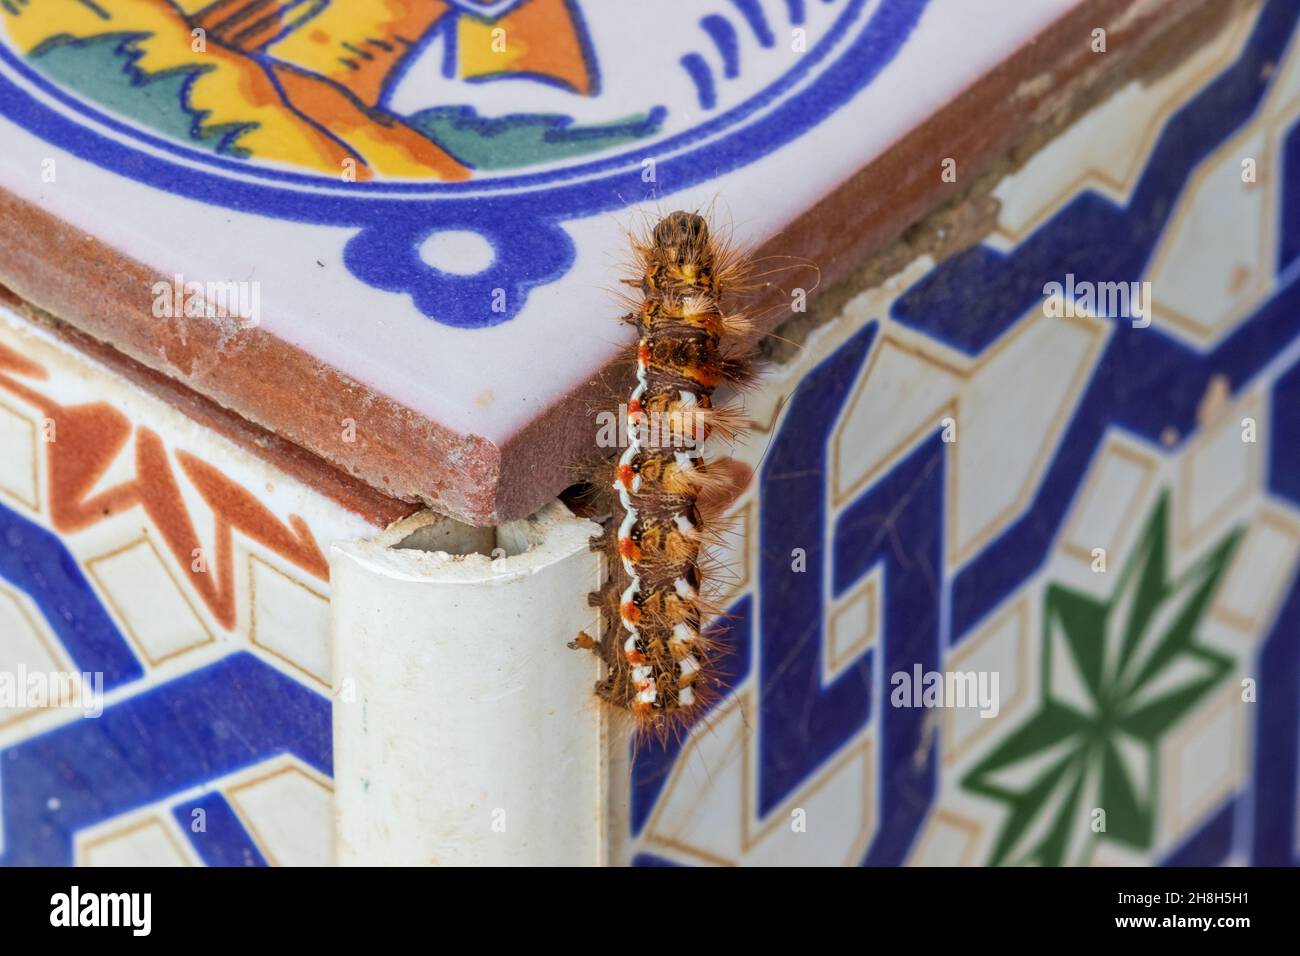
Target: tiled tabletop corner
x: 416, y: 212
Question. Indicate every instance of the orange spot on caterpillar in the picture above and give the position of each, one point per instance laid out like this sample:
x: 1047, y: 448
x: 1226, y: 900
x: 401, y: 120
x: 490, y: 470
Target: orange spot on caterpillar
x: 707, y: 377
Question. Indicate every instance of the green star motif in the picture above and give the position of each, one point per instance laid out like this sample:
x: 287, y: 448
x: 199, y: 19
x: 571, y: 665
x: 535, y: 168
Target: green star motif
x: 1116, y: 677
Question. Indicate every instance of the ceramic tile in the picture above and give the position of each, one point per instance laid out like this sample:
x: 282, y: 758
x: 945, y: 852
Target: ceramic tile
x: 173, y: 586
x: 978, y: 483
x: 386, y: 197
x: 1028, y: 469
x: 151, y: 842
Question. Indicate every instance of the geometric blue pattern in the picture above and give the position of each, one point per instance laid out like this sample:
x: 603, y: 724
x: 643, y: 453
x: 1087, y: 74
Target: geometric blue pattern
x: 35, y: 561
x: 222, y: 841
x: 232, y: 714
x: 800, y: 722
x: 905, y: 506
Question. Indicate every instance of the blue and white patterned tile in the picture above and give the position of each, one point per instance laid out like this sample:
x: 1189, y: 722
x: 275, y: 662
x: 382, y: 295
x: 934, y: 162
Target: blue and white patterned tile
x: 1100, y: 513
x: 164, y: 628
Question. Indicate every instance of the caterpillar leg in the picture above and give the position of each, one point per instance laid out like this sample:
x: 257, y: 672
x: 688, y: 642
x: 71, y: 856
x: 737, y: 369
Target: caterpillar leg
x: 585, y: 642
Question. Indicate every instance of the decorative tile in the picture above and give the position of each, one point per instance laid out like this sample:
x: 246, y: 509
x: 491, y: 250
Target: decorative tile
x: 1145, y: 709
x: 150, y: 842
x: 1263, y: 567
x: 18, y: 476
x: 463, y: 170
x: 1203, y: 764
x: 25, y: 650
x: 1013, y: 408
x: 137, y: 568
x: 948, y: 840
x: 1108, y: 509
x: 1106, y: 150
x: 1199, y: 291
x: 827, y: 822
x: 1002, y: 648
x: 137, y: 586
x: 904, y: 395
x: 854, y: 626
x: 287, y: 813
x: 289, y: 619
x: 1219, y: 471
x: 1169, y: 446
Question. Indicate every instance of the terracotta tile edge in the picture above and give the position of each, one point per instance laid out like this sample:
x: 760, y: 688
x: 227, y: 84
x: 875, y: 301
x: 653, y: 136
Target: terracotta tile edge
x: 274, y: 385
x: 352, y: 494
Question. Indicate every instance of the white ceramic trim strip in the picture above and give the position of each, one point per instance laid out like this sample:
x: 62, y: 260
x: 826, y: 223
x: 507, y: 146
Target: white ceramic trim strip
x: 471, y: 736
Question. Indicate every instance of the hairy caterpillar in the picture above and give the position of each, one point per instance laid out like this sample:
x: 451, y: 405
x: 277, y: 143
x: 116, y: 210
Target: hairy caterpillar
x: 657, y: 645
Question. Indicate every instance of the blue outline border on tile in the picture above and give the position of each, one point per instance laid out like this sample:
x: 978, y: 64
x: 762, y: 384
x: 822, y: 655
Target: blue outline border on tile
x: 523, y: 227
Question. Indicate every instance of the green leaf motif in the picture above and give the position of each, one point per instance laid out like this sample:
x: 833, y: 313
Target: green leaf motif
x: 1116, y: 677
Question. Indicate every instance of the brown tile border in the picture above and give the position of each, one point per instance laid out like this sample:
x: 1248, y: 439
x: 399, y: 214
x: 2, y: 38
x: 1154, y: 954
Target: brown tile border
x: 351, y: 493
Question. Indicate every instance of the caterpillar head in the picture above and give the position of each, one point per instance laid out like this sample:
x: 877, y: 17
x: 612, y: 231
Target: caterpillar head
x: 682, y: 236
x: 682, y: 254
